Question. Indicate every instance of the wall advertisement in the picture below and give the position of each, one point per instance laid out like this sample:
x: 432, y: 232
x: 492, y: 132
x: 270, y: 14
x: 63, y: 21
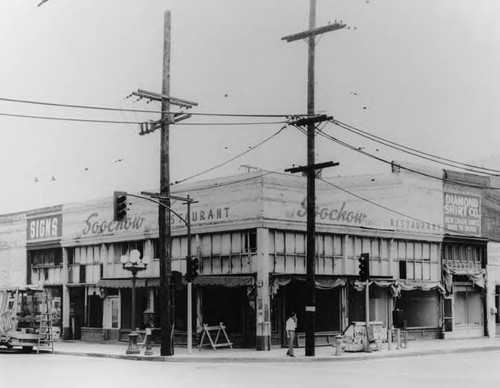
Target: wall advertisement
x: 462, y: 213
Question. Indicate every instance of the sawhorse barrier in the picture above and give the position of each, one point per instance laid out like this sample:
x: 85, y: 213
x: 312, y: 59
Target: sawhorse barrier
x: 215, y: 343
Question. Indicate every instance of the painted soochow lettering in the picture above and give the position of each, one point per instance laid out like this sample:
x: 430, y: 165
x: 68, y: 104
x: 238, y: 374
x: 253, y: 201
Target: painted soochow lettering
x: 95, y: 226
x: 334, y: 214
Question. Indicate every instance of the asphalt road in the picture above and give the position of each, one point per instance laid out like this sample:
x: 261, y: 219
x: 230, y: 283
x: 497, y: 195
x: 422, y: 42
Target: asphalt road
x: 476, y: 369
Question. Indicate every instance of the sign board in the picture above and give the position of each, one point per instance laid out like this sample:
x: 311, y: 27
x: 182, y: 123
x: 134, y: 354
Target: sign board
x: 462, y: 213
x: 44, y: 228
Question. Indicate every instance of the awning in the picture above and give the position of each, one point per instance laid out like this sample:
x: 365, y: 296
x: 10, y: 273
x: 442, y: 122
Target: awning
x: 321, y: 282
x: 127, y: 283
x: 199, y: 281
x: 225, y: 281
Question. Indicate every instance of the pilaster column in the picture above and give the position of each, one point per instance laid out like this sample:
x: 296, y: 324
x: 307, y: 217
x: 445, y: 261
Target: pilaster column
x: 263, y: 305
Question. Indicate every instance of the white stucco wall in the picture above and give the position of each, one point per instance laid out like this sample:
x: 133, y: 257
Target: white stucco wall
x: 12, y: 250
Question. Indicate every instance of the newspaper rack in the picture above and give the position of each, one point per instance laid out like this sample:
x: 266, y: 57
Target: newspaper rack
x: 215, y: 343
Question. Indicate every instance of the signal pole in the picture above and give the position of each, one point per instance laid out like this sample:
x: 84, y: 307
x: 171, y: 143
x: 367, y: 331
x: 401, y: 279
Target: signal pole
x: 310, y: 35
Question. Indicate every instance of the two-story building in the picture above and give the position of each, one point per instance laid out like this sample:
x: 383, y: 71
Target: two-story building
x: 427, y: 258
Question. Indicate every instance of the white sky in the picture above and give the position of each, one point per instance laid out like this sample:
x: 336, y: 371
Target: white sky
x: 427, y: 72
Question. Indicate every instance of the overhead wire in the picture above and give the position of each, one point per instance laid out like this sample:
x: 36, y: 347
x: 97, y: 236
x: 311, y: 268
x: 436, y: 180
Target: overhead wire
x: 415, y: 152
x: 235, y: 157
x: 92, y: 107
x: 353, y: 148
x: 132, y: 122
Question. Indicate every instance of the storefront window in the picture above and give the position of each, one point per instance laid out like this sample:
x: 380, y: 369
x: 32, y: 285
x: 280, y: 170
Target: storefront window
x: 420, y: 308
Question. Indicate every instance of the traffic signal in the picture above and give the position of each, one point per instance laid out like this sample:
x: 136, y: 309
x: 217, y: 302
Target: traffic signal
x: 191, y: 268
x: 364, y: 266
x: 120, y: 205
x: 194, y: 267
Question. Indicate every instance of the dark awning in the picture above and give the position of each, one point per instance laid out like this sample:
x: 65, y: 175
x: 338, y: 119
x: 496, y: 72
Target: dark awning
x: 199, y: 281
x: 225, y: 281
x: 127, y: 283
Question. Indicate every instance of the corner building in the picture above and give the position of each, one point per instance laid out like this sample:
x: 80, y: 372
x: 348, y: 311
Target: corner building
x: 249, y: 233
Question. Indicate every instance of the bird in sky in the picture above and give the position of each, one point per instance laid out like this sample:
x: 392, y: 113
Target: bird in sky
x: 43, y: 1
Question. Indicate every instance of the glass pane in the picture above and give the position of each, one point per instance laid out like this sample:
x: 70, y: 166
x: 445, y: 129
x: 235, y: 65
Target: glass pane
x: 375, y: 251
x: 226, y: 244
x: 236, y: 242
x: 410, y: 253
x: 83, y: 255
x: 176, y: 249
x: 206, y: 245
x: 418, y: 251
x: 300, y: 243
x: 401, y: 250
x: 366, y: 246
x: 426, y: 251
x: 328, y: 244
x: 338, y: 245
x: 280, y: 242
x: 289, y: 243
x: 418, y: 270
x: 384, y: 249
x: 97, y: 254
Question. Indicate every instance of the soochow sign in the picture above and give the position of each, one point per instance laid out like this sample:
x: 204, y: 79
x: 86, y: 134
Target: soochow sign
x: 462, y: 213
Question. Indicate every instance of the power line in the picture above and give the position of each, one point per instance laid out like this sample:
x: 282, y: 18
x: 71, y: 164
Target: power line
x: 415, y: 152
x: 68, y: 119
x: 142, y: 110
x: 353, y: 148
x: 131, y: 122
x: 234, y: 158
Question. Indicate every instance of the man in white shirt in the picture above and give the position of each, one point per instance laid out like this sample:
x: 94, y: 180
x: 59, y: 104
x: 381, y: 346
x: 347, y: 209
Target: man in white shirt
x: 291, y: 325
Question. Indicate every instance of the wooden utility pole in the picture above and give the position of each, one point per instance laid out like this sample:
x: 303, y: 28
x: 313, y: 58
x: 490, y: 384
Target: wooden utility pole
x: 310, y: 309
x: 167, y: 346
x: 165, y: 236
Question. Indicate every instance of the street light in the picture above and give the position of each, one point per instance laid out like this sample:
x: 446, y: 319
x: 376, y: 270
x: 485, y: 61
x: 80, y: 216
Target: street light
x: 134, y: 263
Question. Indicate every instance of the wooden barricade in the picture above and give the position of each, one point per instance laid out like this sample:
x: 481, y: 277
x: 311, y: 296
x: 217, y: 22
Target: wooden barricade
x: 214, y: 343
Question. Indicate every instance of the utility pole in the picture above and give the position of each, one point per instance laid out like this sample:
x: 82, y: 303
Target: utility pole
x: 165, y: 235
x: 310, y: 35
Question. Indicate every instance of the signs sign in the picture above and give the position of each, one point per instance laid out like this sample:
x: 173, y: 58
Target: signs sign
x: 45, y: 227
x: 462, y: 213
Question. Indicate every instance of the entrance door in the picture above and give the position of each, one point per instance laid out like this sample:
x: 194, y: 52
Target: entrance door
x: 77, y: 310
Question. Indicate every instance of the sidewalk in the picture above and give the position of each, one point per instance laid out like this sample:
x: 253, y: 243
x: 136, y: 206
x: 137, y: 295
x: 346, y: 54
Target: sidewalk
x: 276, y: 354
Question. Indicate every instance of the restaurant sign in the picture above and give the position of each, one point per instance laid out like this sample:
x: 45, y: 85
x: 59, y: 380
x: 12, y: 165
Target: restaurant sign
x: 462, y: 213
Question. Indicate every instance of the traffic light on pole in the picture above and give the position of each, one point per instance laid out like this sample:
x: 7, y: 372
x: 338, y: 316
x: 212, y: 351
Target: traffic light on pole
x: 194, y: 267
x: 188, y: 270
x: 120, y: 205
x: 364, y: 266
x: 191, y: 268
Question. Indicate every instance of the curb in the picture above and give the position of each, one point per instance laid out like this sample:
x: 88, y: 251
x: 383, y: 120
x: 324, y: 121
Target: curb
x: 375, y: 356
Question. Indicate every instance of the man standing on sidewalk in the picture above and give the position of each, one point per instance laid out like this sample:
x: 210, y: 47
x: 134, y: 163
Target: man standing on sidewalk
x: 291, y: 325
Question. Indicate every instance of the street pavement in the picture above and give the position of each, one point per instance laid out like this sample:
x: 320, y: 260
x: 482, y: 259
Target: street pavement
x: 276, y: 354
